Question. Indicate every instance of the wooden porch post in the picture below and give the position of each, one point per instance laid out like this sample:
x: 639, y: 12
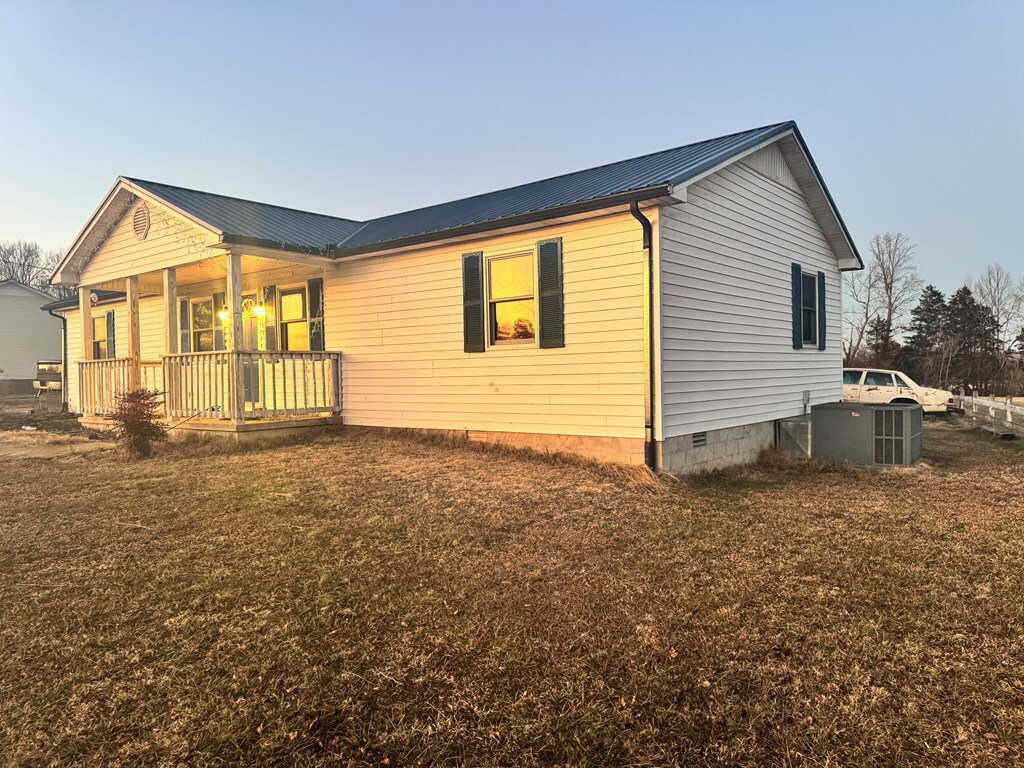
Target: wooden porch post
x: 134, y: 342
x: 234, y: 300
x: 85, y: 310
x: 170, y: 311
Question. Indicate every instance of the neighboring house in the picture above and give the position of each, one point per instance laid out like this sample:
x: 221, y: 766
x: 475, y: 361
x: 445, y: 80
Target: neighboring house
x: 671, y: 307
x: 27, y: 336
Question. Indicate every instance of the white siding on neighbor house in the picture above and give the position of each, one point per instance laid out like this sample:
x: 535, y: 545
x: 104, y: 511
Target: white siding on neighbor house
x: 726, y: 307
x: 398, y: 320
x: 171, y: 242
x: 27, y: 334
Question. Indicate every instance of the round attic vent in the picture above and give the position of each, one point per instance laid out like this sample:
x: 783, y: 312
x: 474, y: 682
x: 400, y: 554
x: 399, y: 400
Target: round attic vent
x: 140, y: 221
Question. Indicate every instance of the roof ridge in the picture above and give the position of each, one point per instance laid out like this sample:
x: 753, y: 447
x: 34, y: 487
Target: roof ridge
x: 582, y: 170
x: 241, y: 199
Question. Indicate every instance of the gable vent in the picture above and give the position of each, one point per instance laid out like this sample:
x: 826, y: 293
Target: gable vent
x: 140, y: 221
x: 700, y: 439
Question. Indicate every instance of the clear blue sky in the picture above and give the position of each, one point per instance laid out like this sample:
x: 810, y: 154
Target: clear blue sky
x: 913, y: 111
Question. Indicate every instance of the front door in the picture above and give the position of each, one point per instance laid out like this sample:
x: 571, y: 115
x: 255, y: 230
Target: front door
x: 251, y: 340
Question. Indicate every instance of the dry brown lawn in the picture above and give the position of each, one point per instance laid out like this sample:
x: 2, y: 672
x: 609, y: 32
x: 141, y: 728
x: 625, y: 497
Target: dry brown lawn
x: 373, y: 600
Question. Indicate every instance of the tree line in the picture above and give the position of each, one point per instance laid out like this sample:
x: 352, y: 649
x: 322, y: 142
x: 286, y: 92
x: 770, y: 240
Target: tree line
x: 29, y: 264
x: 969, y: 341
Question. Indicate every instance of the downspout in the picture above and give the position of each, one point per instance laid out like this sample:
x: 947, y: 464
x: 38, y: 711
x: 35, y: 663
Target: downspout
x: 63, y: 360
x: 650, y: 449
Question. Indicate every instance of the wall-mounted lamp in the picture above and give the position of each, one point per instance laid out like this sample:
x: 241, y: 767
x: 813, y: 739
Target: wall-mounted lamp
x: 259, y: 310
x: 224, y: 314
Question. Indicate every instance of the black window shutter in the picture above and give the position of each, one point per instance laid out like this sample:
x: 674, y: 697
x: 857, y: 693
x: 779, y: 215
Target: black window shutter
x: 798, y: 331
x: 270, y: 316
x: 315, y: 289
x: 549, y: 280
x: 111, y: 348
x: 821, y: 310
x: 473, y: 302
x: 185, y: 338
x: 218, y: 324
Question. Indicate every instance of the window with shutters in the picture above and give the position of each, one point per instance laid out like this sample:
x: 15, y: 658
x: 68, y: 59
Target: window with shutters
x: 809, y: 308
x: 293, y: 316
x: 100, y: 348
x: 511, y: 299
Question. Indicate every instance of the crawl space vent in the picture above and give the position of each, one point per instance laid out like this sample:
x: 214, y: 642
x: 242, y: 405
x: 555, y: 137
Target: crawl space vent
x: 140, y: 221
x: 700, y: 439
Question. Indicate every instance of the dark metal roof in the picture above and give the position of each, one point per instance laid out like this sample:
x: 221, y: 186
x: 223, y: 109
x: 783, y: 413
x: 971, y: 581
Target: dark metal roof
x: 650, y: 172
x: 102, y: 297
x: 254, y: 221
x: 641, y: 178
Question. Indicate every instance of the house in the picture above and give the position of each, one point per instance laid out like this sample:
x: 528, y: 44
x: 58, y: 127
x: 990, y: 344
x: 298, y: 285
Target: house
x: 669, y: 308
x: 28, y: 336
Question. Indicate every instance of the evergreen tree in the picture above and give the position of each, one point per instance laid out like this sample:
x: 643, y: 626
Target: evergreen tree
x: 923, y: 354
x: 974, y: 333
x: 883, y: 349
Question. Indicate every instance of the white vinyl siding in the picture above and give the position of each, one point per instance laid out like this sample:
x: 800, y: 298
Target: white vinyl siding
x: 171, y: 242
x: 726, y: 304
x: 28, y: 333
x: 398, y: 320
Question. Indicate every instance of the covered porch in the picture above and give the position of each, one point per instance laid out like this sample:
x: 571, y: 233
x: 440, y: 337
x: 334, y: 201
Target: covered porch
x: 246, y: 358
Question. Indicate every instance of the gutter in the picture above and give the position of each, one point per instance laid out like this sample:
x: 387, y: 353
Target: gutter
x: 63, y: 360
x: 650, y: 448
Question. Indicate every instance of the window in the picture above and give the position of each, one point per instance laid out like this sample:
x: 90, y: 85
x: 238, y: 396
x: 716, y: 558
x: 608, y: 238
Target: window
x: 512, y: 307
x: 294, y: 319
x: 878, y: 379
x: 207, y: 328
x: 809, y: 308
x: 901, y: 382
x: 100, y: 348
x: 852, y: 377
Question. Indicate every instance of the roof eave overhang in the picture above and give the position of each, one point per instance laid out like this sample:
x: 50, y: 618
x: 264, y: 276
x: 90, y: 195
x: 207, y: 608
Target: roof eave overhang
x: 842, y: 242
x: 660, y: 194
x: 65, y: 274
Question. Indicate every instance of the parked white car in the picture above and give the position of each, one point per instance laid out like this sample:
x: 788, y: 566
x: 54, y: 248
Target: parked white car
x: 872, y: 385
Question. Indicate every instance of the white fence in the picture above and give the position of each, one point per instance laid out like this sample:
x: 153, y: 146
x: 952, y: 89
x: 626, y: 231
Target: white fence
x: 1002, y: 414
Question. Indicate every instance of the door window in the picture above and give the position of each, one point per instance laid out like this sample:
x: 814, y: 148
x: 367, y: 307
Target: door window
x: 878, y: 379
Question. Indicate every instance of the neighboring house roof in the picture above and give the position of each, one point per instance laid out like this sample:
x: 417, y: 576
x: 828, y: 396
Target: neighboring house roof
x: 24, y: 288
x: 657, y: 176
x: 102, y: 297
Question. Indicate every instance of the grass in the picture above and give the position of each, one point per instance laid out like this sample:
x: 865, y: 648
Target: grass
x: 375, y: 600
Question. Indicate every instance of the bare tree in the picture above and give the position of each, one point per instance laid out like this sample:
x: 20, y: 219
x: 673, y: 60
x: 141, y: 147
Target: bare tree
x: 883, y: 291
x: 30, y: 265
x: 858, y: 311
x: 898, y: 284
x: 996, y: 290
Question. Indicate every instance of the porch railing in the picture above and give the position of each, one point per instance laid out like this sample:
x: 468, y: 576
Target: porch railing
x: 221, y: 385
x: 239, y: 385
x: 100, y: 382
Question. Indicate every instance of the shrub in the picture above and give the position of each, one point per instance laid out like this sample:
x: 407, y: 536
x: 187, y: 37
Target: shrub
x: 137, y: 422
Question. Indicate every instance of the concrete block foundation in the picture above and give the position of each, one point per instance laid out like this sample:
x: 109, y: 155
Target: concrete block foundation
x: 716, y: 449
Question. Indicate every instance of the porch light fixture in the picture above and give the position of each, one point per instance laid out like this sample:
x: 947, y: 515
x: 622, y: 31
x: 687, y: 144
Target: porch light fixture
x: 259, y: 310
x: 224, y: 314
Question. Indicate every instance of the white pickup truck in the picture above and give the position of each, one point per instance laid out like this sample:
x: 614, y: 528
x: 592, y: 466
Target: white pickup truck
x: 872, y: 385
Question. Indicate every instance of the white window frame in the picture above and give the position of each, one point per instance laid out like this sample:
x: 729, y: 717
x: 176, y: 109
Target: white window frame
x: 279, y: 323
x: 492, y: 343
x: 813, y: 341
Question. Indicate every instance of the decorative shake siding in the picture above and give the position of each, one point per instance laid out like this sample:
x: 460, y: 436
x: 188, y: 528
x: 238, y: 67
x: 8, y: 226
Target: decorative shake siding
x: 171, y: 241
x: 726, y: 314
x: 398, y: 320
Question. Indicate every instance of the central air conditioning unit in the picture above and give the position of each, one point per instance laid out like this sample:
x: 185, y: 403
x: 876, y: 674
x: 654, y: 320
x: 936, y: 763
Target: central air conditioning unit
x: 868, y: 435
